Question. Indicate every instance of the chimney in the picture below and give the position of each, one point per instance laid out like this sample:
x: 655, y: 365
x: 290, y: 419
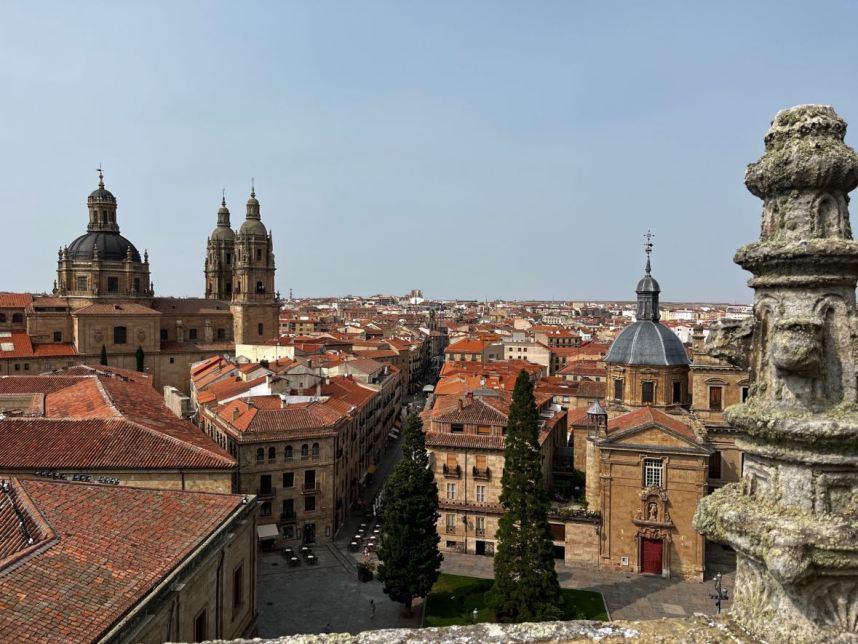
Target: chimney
x: 461, y: 404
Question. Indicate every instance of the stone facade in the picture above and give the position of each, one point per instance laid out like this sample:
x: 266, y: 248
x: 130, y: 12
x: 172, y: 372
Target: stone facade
x: 792, y: 518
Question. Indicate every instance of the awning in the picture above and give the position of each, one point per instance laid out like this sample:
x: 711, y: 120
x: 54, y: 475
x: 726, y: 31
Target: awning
x: 267, y: 531
x: 371, y: 469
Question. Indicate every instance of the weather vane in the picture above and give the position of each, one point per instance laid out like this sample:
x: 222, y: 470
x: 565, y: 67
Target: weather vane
x: 648, y: 248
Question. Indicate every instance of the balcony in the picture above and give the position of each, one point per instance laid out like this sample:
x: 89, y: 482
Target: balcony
x: 267, y: 493
x: 481, y: 474
x: 452, y: 471
x: 451, y: 529
x: 287, y: 517
x: 480, y: 532
x: 310, y: 488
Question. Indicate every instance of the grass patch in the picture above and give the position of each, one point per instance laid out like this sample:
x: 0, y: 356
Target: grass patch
x: 454, y: 598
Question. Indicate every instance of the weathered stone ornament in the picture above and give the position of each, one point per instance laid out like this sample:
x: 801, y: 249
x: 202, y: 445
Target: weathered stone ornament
x: 793, y: 518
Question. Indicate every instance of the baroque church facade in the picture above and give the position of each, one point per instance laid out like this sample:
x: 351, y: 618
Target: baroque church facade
x: 103, y: 306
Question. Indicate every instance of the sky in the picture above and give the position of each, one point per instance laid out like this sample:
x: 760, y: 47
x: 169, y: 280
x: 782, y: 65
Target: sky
x: 472, y: 149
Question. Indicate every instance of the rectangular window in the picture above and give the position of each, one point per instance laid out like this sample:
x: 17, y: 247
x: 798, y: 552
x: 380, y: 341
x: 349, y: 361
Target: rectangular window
x: 163, y: 335
x: 81, y: 283
x: 452, y: 461
x: 677, y: 393
x: 450, y: 520
x: 618, y: 389
x: 653, y: 472
x: 716, y: 398
x: 480, y: 525
x: 745, y: 392
x: 289, y: 532
x: 265, y: 484
x: 484, y: 429
x: 457, y: 428
x: 112, y: 284
x: 192, y: 334
x: 648, y: 392
x: 558, y: 531
x: 481, y: 494
x: 480, y: 461
x: 201, y: 631
x: 451, y: 491
x: 136, y: 284
x: 260, y: 328
x: 58, y: 336
x: 238, y: 587
x: 288, y: 479
x: 120, y: 335
x: 309, y: 504
x: 309, y: 479
x: 288, y: 506
x: 715, y: 466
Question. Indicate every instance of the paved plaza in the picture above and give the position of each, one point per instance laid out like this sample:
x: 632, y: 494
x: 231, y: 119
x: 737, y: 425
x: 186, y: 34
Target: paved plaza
x: 309, y: 598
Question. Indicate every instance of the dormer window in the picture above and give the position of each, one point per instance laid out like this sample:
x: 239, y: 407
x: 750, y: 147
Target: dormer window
x: 457, y: 428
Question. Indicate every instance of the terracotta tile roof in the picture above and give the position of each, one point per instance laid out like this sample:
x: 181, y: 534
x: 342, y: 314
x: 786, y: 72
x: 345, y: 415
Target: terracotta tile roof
x: 315, y: 418
x: 584, y: 368
x: 477, y: 411
x: 591, y: 389
x: 114, y: 545
x: 171, y: 346
x: 190, y: 306
x: 125, y: 308
x: 467, y: 346
x: 348, y: 390
x: 445, y: 439
x: 648, y: 416
x: 17, y: 344
x: 103, y: 420
x: 577, y: 416
x: 15, y: 300
x: 366, y: 365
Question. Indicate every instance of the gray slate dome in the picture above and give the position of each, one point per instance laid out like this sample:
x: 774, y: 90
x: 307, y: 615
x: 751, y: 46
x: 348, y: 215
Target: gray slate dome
x: 101, y: 194
x: 223, y: 233
x: 111, y: 246
x: 648, y: 284
x: 647, y: 343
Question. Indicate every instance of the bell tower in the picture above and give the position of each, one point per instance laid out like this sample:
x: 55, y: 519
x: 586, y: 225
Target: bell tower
x: 220, y: 257
x: 254, y: 303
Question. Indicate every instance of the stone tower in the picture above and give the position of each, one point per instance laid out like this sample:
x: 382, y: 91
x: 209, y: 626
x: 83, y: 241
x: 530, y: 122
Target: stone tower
x: 220, y: 255
x: 793, y: 518
x: 254, y: 304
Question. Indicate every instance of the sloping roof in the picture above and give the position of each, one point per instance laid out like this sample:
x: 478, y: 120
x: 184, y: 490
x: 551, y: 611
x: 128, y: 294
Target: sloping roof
x: 102, y: 419
x: 307, y: 418
x: 125, y: 308
x: 102, y: 549
x: 17, y: 344
x: 15, y: 300
x: 648, y: 417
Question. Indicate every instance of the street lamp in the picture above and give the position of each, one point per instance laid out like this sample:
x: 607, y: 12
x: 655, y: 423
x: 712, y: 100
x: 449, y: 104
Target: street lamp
x: 720, y: 593
x: 475, y: 614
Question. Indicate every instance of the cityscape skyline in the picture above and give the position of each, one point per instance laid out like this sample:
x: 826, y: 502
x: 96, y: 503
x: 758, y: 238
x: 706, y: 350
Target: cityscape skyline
x: 427, y: 146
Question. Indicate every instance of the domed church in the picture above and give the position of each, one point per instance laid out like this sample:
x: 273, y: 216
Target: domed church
x: 102, y: 262
x: 647, y: 363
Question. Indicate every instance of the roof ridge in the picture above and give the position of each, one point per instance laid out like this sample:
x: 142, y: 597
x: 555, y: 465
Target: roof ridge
x: 174, y: 439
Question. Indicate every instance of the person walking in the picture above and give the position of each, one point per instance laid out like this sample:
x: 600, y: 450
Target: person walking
x: 372, y: 608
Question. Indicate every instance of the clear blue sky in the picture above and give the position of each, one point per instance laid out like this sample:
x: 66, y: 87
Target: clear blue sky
x: 471, y: 149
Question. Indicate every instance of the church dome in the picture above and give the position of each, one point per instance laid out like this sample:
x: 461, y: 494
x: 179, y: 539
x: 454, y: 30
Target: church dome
x: 253, y: 227
x: 102, y: 194
x: 111, y: 247
x: 223, y: 231
x: 647, y: 342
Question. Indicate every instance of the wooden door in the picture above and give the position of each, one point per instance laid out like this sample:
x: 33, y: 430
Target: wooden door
x: 652, y: 551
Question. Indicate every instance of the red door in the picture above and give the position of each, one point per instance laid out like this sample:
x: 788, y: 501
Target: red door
x: 652, y: 551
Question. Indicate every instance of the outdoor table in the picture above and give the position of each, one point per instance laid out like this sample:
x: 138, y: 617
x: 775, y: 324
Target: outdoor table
x: 362, y: 526
x: 353, y: 546
x: 304, y: 550
x: 311, y: 559
x: 377, y: 531
x: 294, y: 561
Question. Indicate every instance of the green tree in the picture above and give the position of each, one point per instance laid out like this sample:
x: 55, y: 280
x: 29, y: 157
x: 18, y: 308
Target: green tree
x: 103, y: 359
x: 408, y: 554
x: 140, y: 358
x: 526, y: 587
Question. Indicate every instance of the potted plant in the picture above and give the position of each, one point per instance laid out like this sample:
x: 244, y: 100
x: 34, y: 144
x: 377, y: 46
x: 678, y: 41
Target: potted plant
x: 365, y: 571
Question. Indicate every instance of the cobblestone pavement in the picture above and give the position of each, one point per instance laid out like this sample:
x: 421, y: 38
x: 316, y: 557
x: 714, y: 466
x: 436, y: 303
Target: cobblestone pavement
x: 309, y: 598
x: 627, y: 595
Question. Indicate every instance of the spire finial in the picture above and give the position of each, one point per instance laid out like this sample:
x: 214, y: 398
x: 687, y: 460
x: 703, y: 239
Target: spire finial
x: 100, y: 176
x: 223, y: 196
x: 252, y: 187
x: 648, y: 249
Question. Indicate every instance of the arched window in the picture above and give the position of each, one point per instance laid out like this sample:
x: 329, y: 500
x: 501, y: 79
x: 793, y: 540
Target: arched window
x: 272, y: 454
x: 287, y: 452
x: 305, y: 450
x: 260, y: 455
x: 17, y: 318
x: 315, y: 450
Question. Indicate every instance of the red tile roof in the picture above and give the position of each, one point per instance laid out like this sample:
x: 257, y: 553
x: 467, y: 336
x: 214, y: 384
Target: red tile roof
x: 102, y: 420
x: 648, y: 416
x: 15, y: 300
x: 101, y: 549
x: 22, y: 346
x: 125, y: 308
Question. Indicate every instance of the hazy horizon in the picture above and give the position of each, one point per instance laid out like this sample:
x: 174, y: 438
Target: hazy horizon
x: 491, y: 150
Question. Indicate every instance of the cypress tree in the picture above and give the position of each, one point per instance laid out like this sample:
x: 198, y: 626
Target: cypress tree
x: 140, y: 358
x: 526, y: 587
x: 408, y: 554
x: 103, y: 359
